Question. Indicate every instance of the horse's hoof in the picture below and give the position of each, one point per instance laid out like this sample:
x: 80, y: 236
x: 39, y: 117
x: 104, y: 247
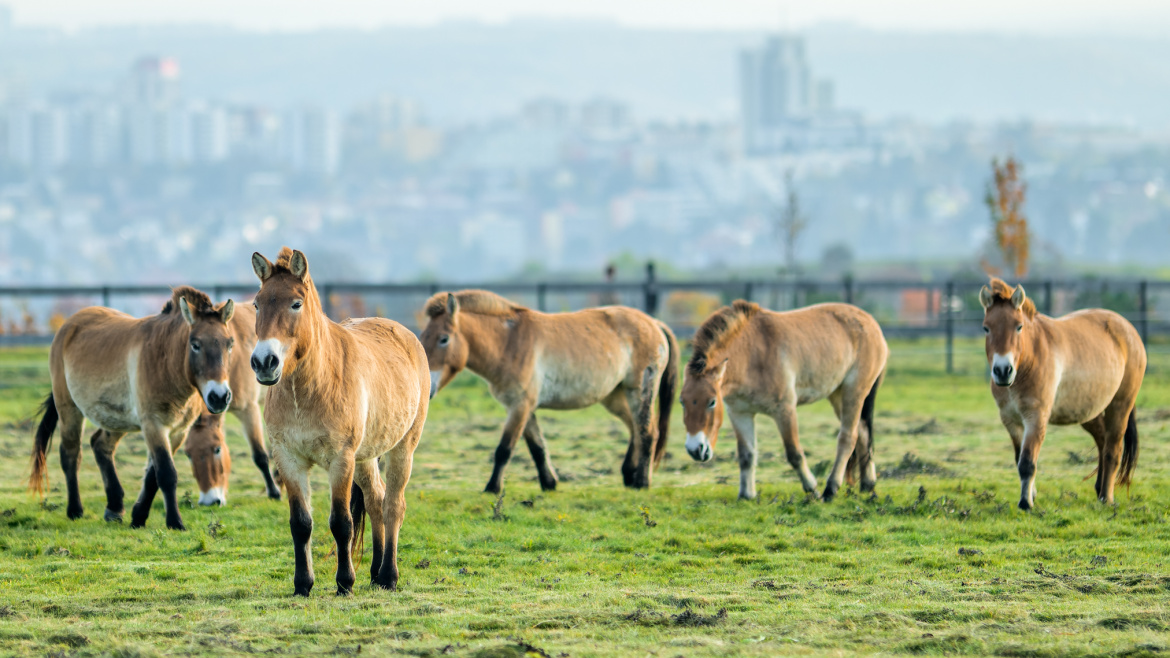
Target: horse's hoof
x: 492, y: 489
x: 389, y: 587
x: 549, y: 485
x: 868, y: 487
x: 1025, y: 505
x: 74, y: 513
x: 274, y: 495
x: 342, y: 591
x: 112, y: 516
x: 302, y: 591
x: 177, y: 526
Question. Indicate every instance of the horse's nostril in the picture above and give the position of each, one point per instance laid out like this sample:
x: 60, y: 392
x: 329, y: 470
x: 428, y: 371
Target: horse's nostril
x: 256, y: 365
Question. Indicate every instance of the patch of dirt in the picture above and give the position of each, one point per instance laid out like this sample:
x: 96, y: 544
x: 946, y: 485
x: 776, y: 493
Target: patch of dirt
x: 929, y: 427
x: 689, y: 617
x: 912, y: 465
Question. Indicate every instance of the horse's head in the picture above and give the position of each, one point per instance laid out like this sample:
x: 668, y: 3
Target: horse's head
x: 1007, y: 316
x: 285, y: 308
x: 702, y: 403
x: 209, y: 346
x: 445, y: 346
x: 211, y: 462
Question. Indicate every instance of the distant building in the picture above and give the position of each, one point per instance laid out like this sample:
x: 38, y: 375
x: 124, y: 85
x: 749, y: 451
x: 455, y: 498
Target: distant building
x: 209, y: 134
x: 96, y: 135
x: 155, y: 81
x: 312, y: 140
x: 37, y: 136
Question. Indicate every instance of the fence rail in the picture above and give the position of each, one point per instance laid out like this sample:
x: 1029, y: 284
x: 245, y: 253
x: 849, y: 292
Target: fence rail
x: 945, y: 309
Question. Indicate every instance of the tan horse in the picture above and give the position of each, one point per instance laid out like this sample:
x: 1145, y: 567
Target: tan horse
x: 126, y: 375
x: 340, y: 396
x: 754, y: 361
x: 206, y: 444
x: 1085, y: 368
x: 615, y: 355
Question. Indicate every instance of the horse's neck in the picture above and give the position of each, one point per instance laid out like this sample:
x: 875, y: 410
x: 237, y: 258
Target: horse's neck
x: 1038, y: 348
x: 316, y: 371
x: 168, y: 339
x: 487, y: 339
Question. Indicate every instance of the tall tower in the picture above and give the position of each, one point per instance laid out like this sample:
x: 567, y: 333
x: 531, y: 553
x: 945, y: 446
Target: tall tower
x: 774, y: 88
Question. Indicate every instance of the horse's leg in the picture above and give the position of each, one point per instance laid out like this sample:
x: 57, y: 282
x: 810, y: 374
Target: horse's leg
x: 835, y: 400
x: 539, y: 450
x: 251, y: 419
x: 645, y: 432
x: 300, y: 517
x: 398, y: 464
x: 1034, y: 433
x: 72, y: 422
x: 141, y: 509
x: 163, y: 466
x: 104, y: 444
x: 341, y: 521
x: 851, y: 401
x: 513, y: 429
x: 366, y: 476
x: 786, y: 422
x: 1096, y: 429
x: 745, y: 445
x: 617, y: 405
x: 1116, y: 417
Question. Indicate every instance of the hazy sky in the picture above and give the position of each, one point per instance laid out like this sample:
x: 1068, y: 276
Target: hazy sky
x: 1148, y: 17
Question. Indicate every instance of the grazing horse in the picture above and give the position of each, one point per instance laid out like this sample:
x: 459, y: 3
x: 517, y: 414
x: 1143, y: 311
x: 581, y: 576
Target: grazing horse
x: 1084, y: 368
x: 615, y: 355
x: 340, y: 396
x: 755, y: 361
x: 206, y: 445
x: 126, y: 375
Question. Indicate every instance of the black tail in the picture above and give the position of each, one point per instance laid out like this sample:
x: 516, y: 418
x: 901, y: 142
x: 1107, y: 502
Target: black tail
x: 666, y: 391
x: 1129, y: 450
x: 357, y: 510
x: 853, y: 468
x: 44, y: 438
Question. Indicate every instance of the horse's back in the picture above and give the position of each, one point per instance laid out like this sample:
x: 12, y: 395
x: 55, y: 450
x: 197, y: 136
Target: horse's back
x: 1097, y: 354
x: 390, y: 357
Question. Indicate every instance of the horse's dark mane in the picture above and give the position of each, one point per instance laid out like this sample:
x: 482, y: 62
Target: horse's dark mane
x: 197, y: 301
x: 717, y: 330
x: 480, y: 302
x: 1002, y: 292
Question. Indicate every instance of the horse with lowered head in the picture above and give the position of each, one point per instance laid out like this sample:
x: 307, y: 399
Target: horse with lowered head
x: 749, y: 360
x: 615, y: 355
x: 340, y: 396
x: 154, y: 375
x: 1085, y: 368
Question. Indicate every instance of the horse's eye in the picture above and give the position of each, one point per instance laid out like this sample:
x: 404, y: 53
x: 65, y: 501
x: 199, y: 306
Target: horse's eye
x: 443, y: 340
x: 255, y: 306
x: 1019, y: 328
x: 217, y: 450
x: 296, y: 306
x: 711, y: 404
x: 986, y: 330
x: 194, y: 347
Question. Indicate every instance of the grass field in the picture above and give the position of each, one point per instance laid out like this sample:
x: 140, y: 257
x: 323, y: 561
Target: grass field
x: 941, y: 562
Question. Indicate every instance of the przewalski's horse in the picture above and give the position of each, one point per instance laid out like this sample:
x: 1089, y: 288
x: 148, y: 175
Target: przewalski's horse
x: 126, y: 375
x: 615, y: 355
x: 1085, y: 368
x: 755, y: 361
x: 206, y: 445
x: 340, y: 396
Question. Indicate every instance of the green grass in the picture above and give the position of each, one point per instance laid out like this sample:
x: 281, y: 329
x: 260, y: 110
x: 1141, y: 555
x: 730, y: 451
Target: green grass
x: 941, y: 562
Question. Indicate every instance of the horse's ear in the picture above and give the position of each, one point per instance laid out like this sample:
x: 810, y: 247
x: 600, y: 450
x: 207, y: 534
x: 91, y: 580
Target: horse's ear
x: 452, y: 304
x: 226, y: 311
x: 1019, y: 297
x: 185, y: 309
x: 985, y: 297
x: 720, y: 369
x: 298, y: 265
x: 261, y: 266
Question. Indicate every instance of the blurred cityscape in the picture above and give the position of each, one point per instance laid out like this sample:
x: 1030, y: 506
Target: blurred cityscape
x: 120, y: 165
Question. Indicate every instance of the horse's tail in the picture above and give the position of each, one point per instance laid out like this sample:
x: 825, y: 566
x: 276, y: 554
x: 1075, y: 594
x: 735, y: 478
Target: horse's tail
x: 853, y: 468
x: 1129, y: 450
x: 357, y: 510
x: 666, y: 390
x: 44, y: 438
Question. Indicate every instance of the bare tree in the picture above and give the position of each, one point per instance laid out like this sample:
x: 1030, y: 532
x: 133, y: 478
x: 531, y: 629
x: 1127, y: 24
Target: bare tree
x: 790, y: 224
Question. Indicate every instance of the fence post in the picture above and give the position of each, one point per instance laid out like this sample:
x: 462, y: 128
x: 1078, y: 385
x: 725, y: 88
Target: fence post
x: 1143, y: 312
x: 747, y: 291
x: 950, y: 328
x: 541, y: 289
x: 650, y: 290
x: 106, y: 296
x: 327, y: 303
x: 1048, y: 297
x: 217, y: 293
x: 848, y: 282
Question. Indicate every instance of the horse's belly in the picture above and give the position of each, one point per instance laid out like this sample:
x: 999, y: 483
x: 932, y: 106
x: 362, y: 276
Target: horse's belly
x: 1080, y: 401
x: 565, y: 390
x: 110, y: 408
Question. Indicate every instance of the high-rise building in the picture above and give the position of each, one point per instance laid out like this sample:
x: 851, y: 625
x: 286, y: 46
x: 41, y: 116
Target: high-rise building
x: 209, y: 134
x: 775, y: 90
x: 154, y: 81
x: 96, y: 135
x: 312, y: 140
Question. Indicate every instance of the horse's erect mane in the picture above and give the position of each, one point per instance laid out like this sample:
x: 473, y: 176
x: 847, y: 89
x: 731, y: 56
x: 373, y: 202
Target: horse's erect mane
x: 1001, y: 291
x: 480, y: 302
x: 197, y: 301
x: 718, y: 330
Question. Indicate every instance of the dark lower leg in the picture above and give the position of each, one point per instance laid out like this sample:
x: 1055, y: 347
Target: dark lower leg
x: 260, y: 458
x: 70, y: 460
x: 341, y: 525
x: 168, y: 480
x: 141, y: 510
x: 103, y: 454
x: 539, y: 451
x: 503, y: 454
x: 301, y: 524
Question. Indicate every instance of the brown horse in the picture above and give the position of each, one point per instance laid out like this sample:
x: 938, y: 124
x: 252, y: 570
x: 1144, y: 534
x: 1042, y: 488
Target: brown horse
x: 615, y: 355
x: 341, y: 396
x: 754, y: 361
x: 1084, y: 368
x: 126, y: 375
x: 206, y: 438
